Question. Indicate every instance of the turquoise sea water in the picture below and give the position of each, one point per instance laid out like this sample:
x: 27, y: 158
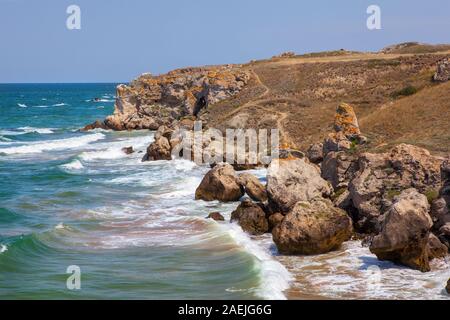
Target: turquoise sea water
x: 71, y: 198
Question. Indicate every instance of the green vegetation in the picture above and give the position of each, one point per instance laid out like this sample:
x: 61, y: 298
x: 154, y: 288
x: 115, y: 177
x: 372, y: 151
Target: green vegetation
x: 431, y: 194
x: 406, y: 91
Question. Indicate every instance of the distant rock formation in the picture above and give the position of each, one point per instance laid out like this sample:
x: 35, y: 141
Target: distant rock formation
x: 443, y: 71
x: 152, y: 101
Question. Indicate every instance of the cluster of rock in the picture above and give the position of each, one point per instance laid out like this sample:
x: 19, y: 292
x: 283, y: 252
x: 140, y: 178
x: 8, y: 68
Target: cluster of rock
x: 152, y: 101
x: 443, y: 71
x: 398, y: 200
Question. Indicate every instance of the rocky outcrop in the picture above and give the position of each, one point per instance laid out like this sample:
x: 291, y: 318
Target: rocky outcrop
x: 339, y: 168
x: 159, y: 150
x: 151, y: 101
x: 315, y: 153
x: 253, y: 187
x: 291, y: 181
x: 405, y: 232
x: 444, y: 234
x: 128, y: 150
x: 220, y: 183
x: 274, y: 220
x: 443, y: 71
x: 381, y: 177
x: 313, y: 227
x: 216, y: 216
x: 346, y: 133
x: 447, y: 288
x: 436, y: 249
x: 251, y: 218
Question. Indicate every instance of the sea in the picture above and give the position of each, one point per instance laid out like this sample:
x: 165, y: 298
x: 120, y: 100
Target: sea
x: 72, y: 200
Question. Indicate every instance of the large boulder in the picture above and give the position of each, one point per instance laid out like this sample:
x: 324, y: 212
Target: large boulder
x: 381, y: 177
x: 291, y: 181
x: 159, y: 150
x: 275, y: 219
x: 440, y: 209
x: 436, y: 249
x: 313, y: 227
x: 443, y: 71
x: 251, y: 218
x: 220, y: 183
x: 315, y: 153
x: 444, y: 234
x: 405, y: 232
x: 253, y: 187
x: 339, y: 168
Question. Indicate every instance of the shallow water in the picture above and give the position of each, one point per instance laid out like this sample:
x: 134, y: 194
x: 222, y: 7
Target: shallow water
x: 70, y: 198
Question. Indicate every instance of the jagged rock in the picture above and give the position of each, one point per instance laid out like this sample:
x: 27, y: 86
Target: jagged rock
x: 436, y: 249
x: 220, y: 183
x: 440, y: 208
x: 215, y: 216
x: 444, y: 234
x: 336, y: 142
x: 164, y: 131
x: 447, y: 288
x: 159, y: 150
x: 381, y: 177
x: 443, y: 71
x: 291, y: 181
x: 339, y: 168
x: 405, y: 232
x: 251, y: 218
x: 346, y: 122
x: 151, y: 101
x: 312, y: 228
x: 288, y: 153
x: 128, y: 150
x: 253, y: 187
x: 315, y: 153
x: 95, y: 125
x: 274, y: 220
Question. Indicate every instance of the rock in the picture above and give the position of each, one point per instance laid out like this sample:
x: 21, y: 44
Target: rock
x: 444, y: 234
x: 251, y: 218
x: 315, y: 153
x: 339, y: 168
x: 159, y: 150
x: 220, y: 183
x: 312, y: 228
x: 274, y: 220
x: 381, y: 177
x: 164, y: 131
x: 215, y: 216
x: 346, y: 122
x: 95, y: 125
x: 128, y: 150
x: 336, y: 142
x: 447, y: 288
x: 287, y: 153
x: 405, y: 232
x: 291, y: 181
x: 443, y: 71
x: 253, y: 187
x: 151, y: 101
x: 436, y: 249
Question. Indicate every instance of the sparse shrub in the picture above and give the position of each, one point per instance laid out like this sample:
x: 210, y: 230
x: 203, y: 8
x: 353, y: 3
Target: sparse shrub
x: 406, y: 91
x: 431, y: 194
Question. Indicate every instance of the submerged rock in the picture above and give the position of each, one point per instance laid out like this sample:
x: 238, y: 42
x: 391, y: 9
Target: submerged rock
x: 159, y: 150
x: 291, y: 181
x: 405, y: 232
x: 447, y: 288
x: 128, y: 150
x: 217, y: 216
x: 251, y: 218
x: 220, y: 183
x: 312, y: 228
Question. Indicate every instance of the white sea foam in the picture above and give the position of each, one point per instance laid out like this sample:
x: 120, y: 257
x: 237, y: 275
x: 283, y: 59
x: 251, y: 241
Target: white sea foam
x: 3, y: 248
x: 37, y: 130
x: 22, y: 105
x: 62, y: 144
x: 59, y: 104
x: 274, y: 277
x: 74, y: 165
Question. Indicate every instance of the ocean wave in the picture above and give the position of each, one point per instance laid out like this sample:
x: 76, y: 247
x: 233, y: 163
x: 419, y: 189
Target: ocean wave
x: 25, y: 130
x: 74, y: 165
x: 3, y: 248
x: 274, y: 277
x: 111, y: 153
x: 60, y: 104
x: 62, y: 144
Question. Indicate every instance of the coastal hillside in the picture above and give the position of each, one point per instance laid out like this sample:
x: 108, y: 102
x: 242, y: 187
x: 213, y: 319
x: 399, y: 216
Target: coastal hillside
x: 392, y: 92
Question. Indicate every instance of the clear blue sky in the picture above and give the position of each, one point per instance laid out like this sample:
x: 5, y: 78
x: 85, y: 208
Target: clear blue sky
x: 120, y: 39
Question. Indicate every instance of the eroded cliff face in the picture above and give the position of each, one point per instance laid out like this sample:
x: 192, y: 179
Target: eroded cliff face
x: 150, y: 101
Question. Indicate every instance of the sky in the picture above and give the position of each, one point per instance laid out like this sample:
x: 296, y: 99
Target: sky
x: 120, y: 39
